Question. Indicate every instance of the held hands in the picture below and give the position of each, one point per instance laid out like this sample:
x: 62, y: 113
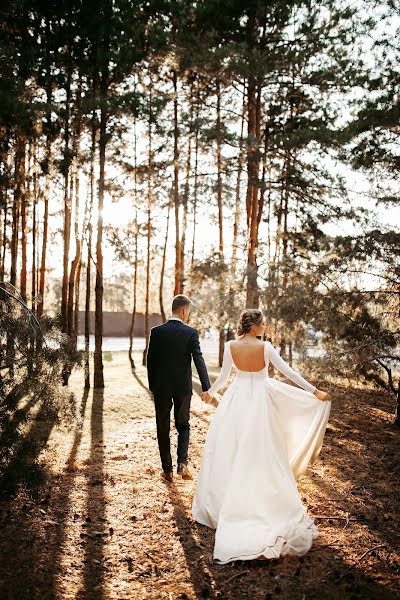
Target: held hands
x: 205, y: 396
x: 324, y: 396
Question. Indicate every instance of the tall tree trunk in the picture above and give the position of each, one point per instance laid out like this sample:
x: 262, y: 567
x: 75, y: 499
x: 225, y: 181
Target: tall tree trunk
x: 4, y: 241
x: 252, y: 201
x: 269, y: 232
x: 147, y: 301
x: 237, y: 197
x: 73, y: 275
x: 220, y: 225
x: 136, y: 258
x: 47, y: 157
x: 19, y: 179
x: 251, y: 197
x: 34, y: 230
x: 134, y: 309
x: 19, y: 164
x: 99, y: 290
x: 149, y: 207
x: 77, y: 300
x: 195, y: 196
x: 23, y: 275
x: 42, y: 281
x: 290, y: 348
x: 219, y: 175
x: 164, y: 256
x: 185, y: 207
x: 284, y: 240
x: 87, y: 217
x: 196, y: 177
x: 397, y: 410
x: 2, y: 218
x: 67, y: 208
x: 178, y: 287
x: 87, y: 306
x: 89, y: 252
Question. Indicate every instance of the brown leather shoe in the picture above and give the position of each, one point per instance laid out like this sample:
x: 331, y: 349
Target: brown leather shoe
x: 167, y: 475
x: 184, y: 472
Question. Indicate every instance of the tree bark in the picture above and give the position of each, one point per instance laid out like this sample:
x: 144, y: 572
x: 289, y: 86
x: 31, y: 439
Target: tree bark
x: 134, y: 309
x: 136, y: 259
x: 23, y: 275
x: 185, y: 207
x: 99, y: 290
x: 252, y: 197
x: 397, y: 411
x: 254, y: 89
x: 89, y: 259
x: 178, y: 287
x: 220, y: 226
x: 284, y: 237
x: 49, y: 137
x: 219, y: 175
x: 196, y: 179
x: 67, y: 209
x: 34, y: 231
x: 195, y: 193
x: 2, y: 218
x: 4, y: 241
x: 237, y: 197
x: 77, y: 300
x: 87, y: 306
x: 73, y: 281
x: 149, y: 207
x: 42, y: 281
x: 164, y: 256
x: 290, y: 348
x: 16, y: 209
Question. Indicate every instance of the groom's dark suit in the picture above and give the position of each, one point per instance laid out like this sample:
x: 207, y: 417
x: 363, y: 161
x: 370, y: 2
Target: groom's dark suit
x: 171, y: 349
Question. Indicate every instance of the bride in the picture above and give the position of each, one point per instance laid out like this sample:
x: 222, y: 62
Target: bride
x: 263, y: 435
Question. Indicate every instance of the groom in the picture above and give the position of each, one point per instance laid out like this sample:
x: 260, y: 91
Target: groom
x: 171, y: 349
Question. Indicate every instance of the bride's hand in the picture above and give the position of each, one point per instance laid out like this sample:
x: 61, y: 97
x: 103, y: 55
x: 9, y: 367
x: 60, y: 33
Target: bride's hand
x: 205, y: 396
x: 321, y: 395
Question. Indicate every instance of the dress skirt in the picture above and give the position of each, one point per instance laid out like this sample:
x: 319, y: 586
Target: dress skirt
x: 263, y: 435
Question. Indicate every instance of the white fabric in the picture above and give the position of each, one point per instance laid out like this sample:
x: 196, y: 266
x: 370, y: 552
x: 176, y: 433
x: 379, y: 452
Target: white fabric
x: 263, y: 435
x: 175, y: 319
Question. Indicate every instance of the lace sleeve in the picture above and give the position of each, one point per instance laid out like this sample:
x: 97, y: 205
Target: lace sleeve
x: 286, y: 370
x: 225, y: 371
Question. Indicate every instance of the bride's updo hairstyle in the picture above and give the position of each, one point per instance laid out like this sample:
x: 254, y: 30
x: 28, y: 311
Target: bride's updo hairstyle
x: 249, y: 317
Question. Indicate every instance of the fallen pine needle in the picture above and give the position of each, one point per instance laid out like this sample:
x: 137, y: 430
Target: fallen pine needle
x: 370, y: 550
x: 324, y: 545
x: 150, y: 556
x: 347, y: 521
x: 363, y: 555
x: 337, y: 518
x: 237, y: 575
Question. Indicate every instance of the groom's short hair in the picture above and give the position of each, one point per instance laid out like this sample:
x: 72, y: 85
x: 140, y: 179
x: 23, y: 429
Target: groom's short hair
x: 179, y: 302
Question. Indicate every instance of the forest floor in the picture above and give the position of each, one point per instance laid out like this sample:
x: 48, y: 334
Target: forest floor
x: 104, y: 525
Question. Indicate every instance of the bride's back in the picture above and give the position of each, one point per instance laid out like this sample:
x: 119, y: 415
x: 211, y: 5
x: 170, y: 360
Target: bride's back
x: 248, y: 355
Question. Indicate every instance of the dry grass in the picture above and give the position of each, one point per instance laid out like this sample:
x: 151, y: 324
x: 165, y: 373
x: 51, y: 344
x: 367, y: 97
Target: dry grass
x: 106, y: 526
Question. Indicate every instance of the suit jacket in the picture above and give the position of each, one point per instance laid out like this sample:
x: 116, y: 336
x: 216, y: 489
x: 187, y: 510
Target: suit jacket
x: 169, y: 359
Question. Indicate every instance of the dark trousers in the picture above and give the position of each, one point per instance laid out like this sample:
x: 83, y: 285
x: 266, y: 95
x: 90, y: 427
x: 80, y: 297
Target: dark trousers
x: 163, y: 405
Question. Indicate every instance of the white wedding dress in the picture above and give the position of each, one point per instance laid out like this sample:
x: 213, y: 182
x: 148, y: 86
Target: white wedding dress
x: 263, y: 435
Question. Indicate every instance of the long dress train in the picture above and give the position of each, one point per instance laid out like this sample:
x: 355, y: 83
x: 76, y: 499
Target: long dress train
x: 262, y: 436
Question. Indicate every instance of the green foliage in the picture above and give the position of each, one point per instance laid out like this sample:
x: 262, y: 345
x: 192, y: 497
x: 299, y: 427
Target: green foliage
x: 32, y: 398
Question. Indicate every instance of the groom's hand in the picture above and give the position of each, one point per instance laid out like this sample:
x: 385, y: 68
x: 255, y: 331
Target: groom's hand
x: 205, y: 396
